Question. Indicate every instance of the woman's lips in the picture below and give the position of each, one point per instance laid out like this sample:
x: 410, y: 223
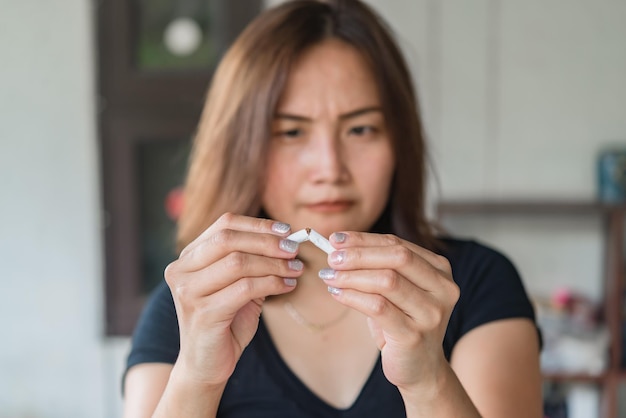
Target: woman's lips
x: 330, y: 207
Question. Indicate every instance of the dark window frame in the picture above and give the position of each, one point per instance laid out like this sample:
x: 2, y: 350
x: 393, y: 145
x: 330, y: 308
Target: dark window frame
x: 134, y: 107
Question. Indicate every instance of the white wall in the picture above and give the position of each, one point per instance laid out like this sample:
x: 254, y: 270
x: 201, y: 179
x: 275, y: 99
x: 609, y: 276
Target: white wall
x: 54, y: 361
x: 530, y: 93
x: 518, y: 97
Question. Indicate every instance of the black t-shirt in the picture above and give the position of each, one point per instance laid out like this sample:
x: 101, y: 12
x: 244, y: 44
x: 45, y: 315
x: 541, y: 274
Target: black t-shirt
x: 262, y: 386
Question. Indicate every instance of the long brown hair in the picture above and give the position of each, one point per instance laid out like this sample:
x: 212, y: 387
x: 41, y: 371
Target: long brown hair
x: 228, y: 157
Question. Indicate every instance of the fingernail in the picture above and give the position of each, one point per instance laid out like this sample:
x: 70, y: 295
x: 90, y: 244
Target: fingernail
x: 339, y: 237
x: 280, y: 227
x: 290, y: 282
x: 295, y: 264
x: 326, y: 274
x: 337, y: 257
x: 288, y: 245
x: 333, y: 290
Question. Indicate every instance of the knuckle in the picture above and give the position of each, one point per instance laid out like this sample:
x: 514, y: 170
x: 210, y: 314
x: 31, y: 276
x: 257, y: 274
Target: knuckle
x: 433, y: 317
x: 181, y: 292
x: 377, y: 306
x: 226, y: 218
x: 391, y: 239
x: 403, y: 255
x: 236, y: 260
x: 438, y: 316
x: 222, y: 237
x: 275, y: 283
x: 171, y: 273
x: 442, y: 263
x: 388, y: 280
x: 244, y: 287
x: 260, y: 225
x: 453, y: 291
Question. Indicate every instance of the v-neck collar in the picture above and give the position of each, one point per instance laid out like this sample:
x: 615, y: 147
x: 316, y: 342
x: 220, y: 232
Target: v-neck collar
x: 300, y: 392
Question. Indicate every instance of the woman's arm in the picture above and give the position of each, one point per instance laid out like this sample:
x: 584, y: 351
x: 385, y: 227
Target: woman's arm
x: 144, y: 385
x: 498, y: 365
x: 494, y: 371
x: 158, y: 390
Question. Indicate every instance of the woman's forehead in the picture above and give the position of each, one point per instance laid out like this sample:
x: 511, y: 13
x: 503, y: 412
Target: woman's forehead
x: 332, y: 74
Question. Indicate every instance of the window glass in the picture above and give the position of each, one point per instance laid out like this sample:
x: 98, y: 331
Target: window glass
x: 174, y: 34
x: 161, y: 167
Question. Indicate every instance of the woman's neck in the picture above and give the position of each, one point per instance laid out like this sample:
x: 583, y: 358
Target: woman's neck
x: 311, y: 296
x: 314, y: 260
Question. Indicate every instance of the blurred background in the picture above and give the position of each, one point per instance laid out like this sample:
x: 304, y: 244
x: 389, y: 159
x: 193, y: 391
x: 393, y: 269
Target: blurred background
x: 524, y: 106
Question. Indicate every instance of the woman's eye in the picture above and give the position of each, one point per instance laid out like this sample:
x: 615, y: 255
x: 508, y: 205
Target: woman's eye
x: 362, y: 130
x: 290, y: 133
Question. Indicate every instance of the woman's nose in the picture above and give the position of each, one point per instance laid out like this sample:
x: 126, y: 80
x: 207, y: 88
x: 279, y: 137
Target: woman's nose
x: 328, y: 160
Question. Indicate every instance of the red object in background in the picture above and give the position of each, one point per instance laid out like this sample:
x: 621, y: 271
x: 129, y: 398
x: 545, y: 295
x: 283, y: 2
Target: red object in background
x: 581, y: 310
x: 174, y: 202
x: 562, y: 298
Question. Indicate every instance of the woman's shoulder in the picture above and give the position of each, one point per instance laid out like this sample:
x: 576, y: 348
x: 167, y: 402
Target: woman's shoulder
x: 156, y: 337
x: 472, y: 256
x: 491, y: 287
x: 483, y: 271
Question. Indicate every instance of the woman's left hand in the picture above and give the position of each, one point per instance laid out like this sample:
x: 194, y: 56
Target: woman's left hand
x: 407, y: 293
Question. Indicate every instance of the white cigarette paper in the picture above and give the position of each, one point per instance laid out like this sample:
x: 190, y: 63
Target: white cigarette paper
x: 300, y: 236
x: 308, y: 234
x: 320, y: 242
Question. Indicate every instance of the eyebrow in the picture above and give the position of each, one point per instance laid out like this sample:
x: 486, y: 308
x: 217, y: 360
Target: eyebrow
x: 349, y: 115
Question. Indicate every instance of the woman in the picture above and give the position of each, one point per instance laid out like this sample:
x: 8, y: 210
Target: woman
x: 311, y: 122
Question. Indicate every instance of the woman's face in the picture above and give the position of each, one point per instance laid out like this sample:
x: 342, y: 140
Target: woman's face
x: 330, y: 161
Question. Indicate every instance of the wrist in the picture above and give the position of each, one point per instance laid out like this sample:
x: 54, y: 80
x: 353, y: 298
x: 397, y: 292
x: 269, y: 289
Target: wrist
x: 190, y: 381
x: 427, y: 381
x: 186, y: 396
x: 427, y: 390
x: 441, y: 396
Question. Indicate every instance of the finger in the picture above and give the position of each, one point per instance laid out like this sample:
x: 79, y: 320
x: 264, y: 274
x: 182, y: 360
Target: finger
x: 229, y: 300
x: 395, y: 257
x: 365, y: 239
x: 425, y: 307
x: 226, y: 241
x: 240, y: 223
x: 386, y: 282
x: 391, y: 322
x: 231, y: 269
x: 385, y: 314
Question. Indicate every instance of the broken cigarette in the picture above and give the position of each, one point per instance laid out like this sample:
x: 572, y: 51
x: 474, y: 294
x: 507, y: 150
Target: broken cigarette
x: 308, y: 234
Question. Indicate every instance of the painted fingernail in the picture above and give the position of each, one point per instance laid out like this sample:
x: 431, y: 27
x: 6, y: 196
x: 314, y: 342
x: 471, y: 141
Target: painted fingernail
x: 337, y: 257
x: 333, y: 290
x: 288, y: 245
x: 326, y: 274
x: 280, y: 227
x: 295, y: 265
x: 290, y: 282
x: 339, y: 237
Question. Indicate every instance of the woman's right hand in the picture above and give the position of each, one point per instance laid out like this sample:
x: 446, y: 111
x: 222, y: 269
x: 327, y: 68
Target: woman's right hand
x: 219, y: 283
